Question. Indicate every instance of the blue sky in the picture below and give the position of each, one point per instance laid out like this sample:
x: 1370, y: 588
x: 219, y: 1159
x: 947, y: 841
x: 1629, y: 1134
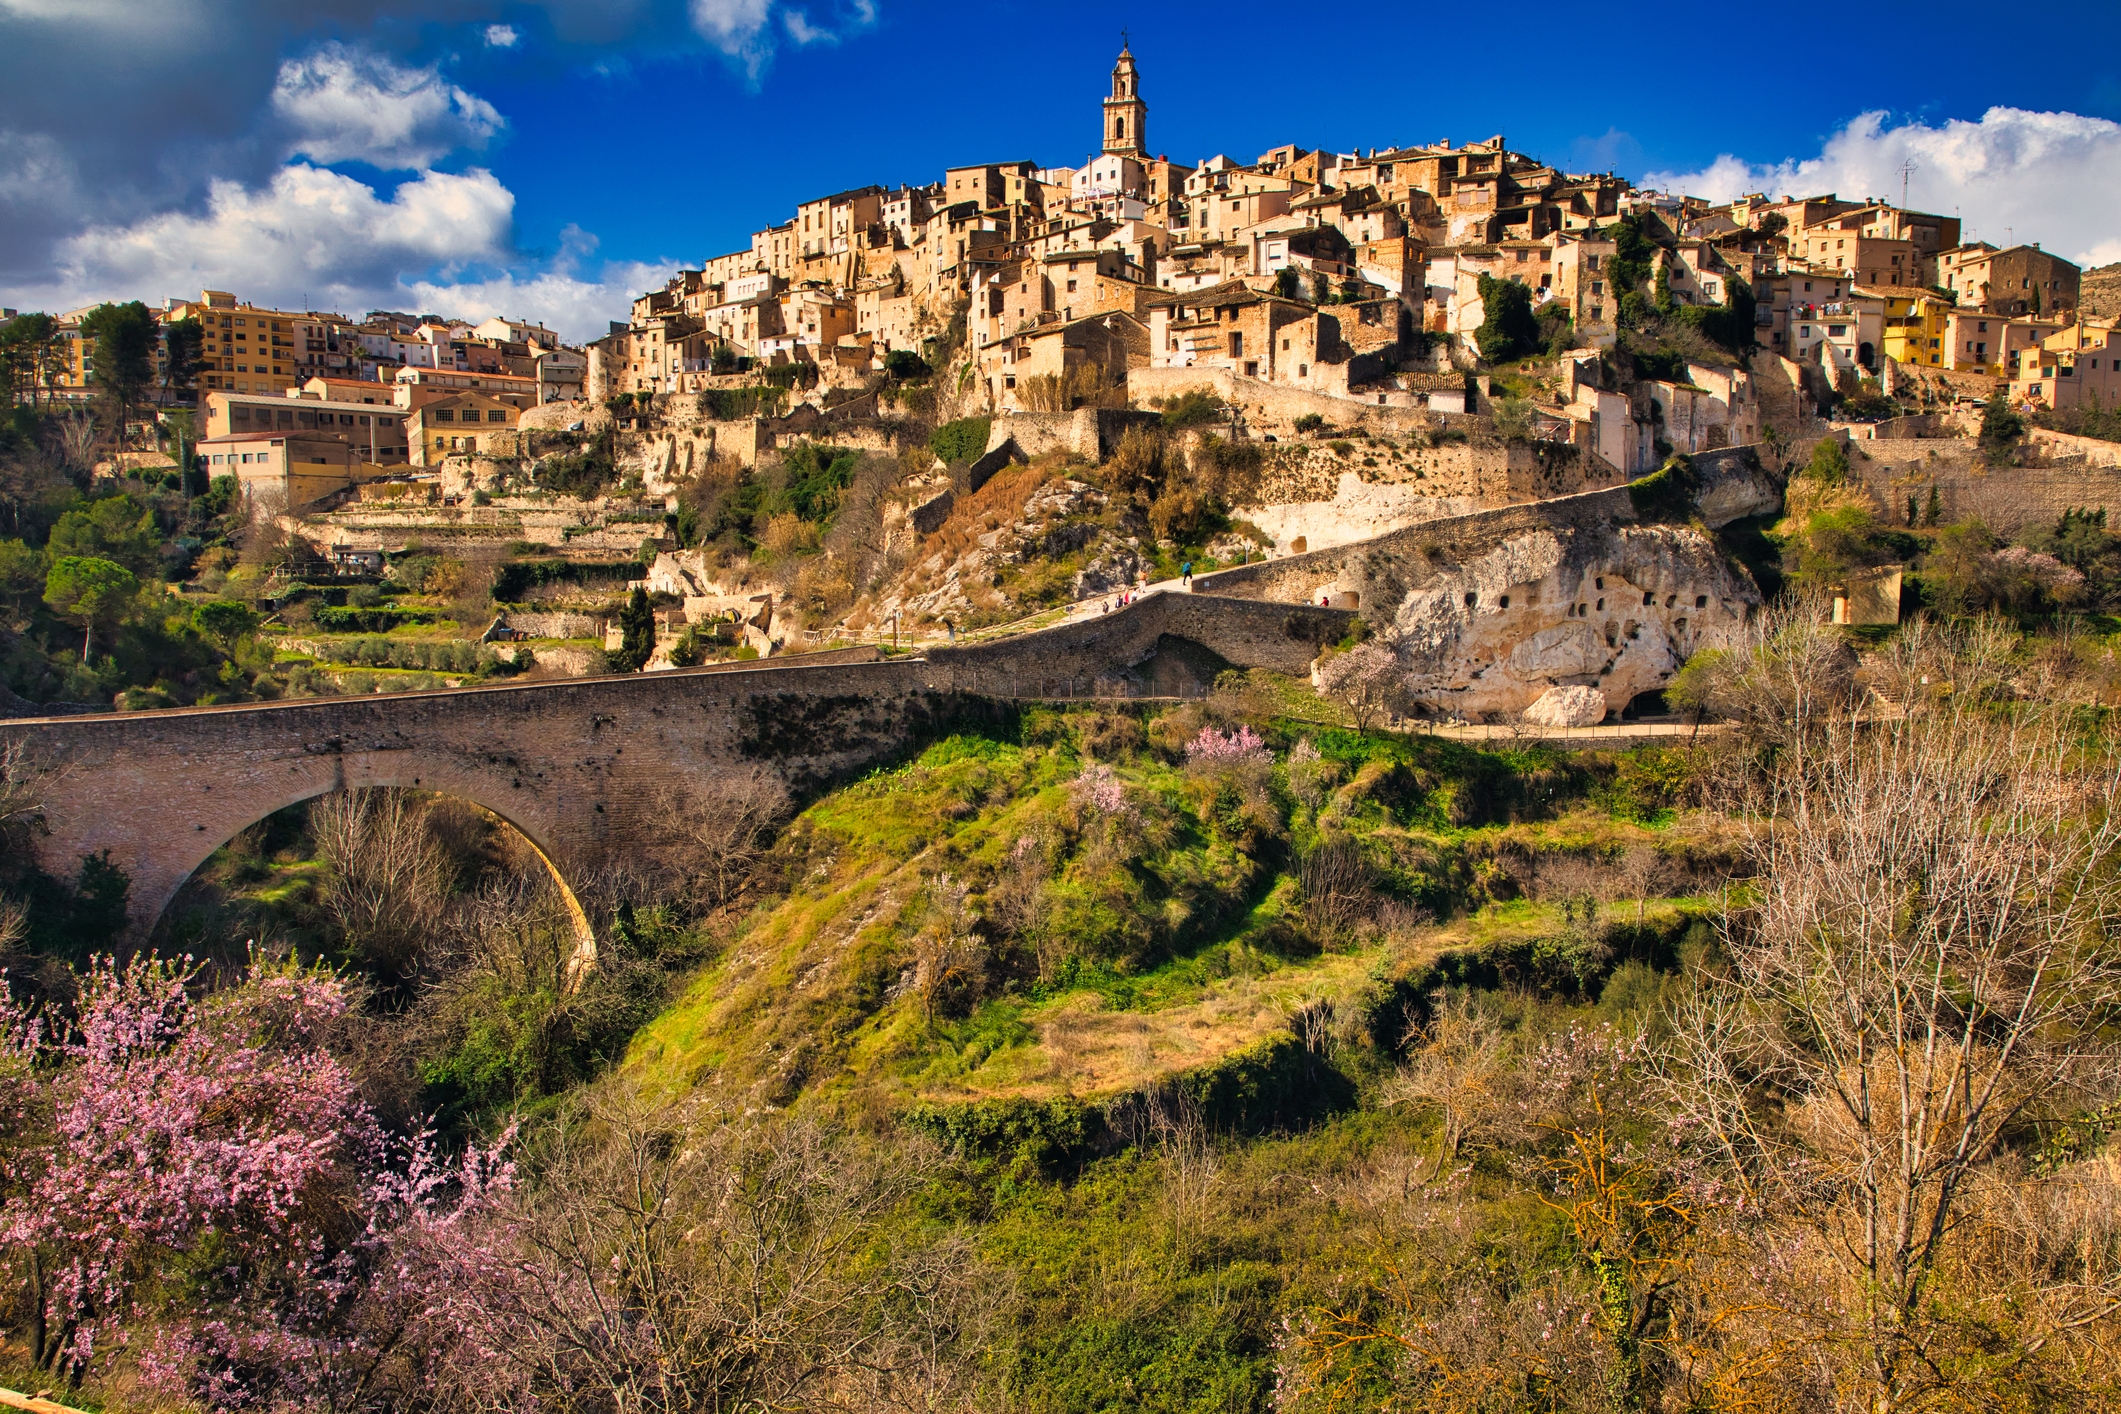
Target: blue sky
x: 551, y: 156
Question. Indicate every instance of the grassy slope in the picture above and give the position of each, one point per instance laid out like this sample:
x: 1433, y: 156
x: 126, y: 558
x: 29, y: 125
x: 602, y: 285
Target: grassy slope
x: 810, y: 999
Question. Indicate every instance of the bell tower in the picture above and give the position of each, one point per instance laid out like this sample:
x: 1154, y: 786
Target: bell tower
x: 1125, y: 113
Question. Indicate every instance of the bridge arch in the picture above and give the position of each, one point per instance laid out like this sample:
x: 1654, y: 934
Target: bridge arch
x: 182, y: 864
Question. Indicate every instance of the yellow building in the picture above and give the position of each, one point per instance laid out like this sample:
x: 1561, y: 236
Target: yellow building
x: 253, y: 350
x: 1916, y: 325
x: 465, y: 424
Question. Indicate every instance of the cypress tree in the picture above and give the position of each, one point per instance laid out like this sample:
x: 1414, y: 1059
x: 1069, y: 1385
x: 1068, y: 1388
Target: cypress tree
x: 636, y: 634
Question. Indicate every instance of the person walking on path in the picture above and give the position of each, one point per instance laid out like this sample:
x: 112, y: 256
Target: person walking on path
x: 1185, y: 575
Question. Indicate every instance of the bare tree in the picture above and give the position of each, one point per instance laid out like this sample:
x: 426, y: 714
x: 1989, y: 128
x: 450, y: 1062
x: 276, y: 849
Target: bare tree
x: 1461, y: 1064
x: 670, y: 1257
x: 77, y: 442
x: 1642, y: 872
x: 1191, y: 1167
x: 1338, y: 884
x: 390, y: 877
x: 710, y: 842
x: 1927, y: 965
x: 949, y: 959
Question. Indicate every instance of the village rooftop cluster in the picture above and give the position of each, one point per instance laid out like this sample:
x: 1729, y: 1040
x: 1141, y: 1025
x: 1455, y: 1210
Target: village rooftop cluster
x: 1353, y: 276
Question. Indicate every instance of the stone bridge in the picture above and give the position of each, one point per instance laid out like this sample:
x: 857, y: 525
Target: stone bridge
x: 580, y: 766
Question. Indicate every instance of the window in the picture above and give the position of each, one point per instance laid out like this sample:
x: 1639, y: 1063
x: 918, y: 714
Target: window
x: 444, y: 415
x: 496, y: 415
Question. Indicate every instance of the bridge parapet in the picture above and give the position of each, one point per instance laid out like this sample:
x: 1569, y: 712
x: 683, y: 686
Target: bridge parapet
x: 581, y: 766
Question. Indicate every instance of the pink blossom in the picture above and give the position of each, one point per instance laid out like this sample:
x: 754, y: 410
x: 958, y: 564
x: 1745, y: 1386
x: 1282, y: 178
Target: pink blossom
x: 1100, y: 789
x: 1212, y: 747
x: 207, y: 1187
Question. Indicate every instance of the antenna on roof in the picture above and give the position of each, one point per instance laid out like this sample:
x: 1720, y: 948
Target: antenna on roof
x: 1907, y: 169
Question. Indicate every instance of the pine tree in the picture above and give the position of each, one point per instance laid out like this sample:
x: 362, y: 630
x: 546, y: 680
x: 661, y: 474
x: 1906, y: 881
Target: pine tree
x: 636, y: 634
x: 1933, y: 513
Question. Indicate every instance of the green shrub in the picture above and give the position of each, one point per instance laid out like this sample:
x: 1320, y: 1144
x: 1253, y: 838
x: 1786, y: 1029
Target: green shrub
x: 736, y: 404
x: 1019, y: 1136
x: 580, y: 474
x: 1196, y: 407
x: 1666, y: 494
x: 514, y: 579
x: 381, y: 620
x: 1508, y: 329
x: 2001, y: 431
x: 961, y: 441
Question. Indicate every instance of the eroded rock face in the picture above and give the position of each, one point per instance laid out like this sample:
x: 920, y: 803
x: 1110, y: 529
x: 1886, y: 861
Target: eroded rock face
x: 1567, y: 707
x: 1613, y: 611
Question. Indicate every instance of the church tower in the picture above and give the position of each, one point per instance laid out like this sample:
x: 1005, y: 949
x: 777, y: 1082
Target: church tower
x: 1125, y: 113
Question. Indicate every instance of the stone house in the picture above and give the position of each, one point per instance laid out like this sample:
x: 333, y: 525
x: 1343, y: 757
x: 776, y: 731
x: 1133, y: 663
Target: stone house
x: 1791, y: 304
x: 1114, y: 341
x: 1310, y: 250
x: 1082, y: 283
x: 1202, y: 265
x: 2070, y: 368
x: 1398, y: 266
x: 1869, y: 260
x: 371, y: 431
x: 990, y: 186
x: 1976, y: 341
x: 828, y: 225
x: 2023, y: 280
x: 1253, y: 334
x: 464, y: 424
x: 289, y: 471
x: 1580, y: 283
x: 905, y: 210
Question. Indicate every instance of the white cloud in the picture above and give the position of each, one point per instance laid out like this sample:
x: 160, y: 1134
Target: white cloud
x: 802, y: 31
x: 441, y: 242
x: 311, y: 231
x: 348, y: 105
x: 736, y: 27
x: 2014, y: 175
x: 501, y: 36
x: 744, y: 29
x: 579, y: 308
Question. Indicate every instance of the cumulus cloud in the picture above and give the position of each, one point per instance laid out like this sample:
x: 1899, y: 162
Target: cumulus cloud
x: 2013, y: 175
x: 310, y: 229
x: 577, y: 306
x: 199, y: 156
x: 346, y: 105
x: 441, y: 242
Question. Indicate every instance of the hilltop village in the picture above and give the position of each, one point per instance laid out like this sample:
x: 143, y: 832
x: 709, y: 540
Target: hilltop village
x: 1363, y: 276
x: 1021, y: 393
